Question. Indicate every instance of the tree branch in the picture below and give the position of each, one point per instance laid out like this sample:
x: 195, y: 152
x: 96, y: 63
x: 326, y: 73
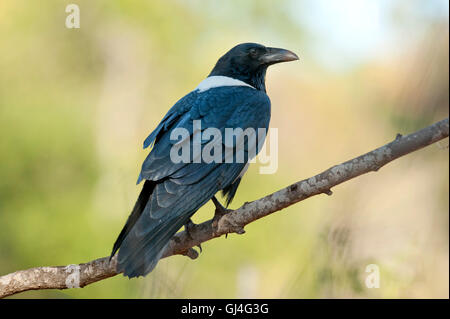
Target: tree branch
x: 72, y: 276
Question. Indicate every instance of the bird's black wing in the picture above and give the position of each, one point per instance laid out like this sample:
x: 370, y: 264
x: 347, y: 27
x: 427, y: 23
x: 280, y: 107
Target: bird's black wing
x: 180, y: 189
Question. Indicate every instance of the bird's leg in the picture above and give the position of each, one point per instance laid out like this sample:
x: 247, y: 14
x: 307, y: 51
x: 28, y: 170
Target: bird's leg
x: 219, y: 212
x: 188, y: 227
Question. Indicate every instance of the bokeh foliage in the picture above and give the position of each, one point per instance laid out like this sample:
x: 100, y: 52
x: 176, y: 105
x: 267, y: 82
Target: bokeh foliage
x: 75, y: 106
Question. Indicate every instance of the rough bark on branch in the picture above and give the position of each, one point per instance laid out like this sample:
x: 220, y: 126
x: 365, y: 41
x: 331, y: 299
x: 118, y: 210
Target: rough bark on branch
x: 72, y: 276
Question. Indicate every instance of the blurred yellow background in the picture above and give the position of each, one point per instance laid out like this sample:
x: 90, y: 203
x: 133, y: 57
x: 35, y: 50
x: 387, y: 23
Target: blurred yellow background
x: 76, y: 105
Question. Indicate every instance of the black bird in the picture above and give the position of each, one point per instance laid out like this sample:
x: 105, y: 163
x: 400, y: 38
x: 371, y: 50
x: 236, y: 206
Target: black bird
x: 233, y: 96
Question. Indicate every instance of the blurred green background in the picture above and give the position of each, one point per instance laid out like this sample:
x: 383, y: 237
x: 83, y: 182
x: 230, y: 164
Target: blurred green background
x: 76, y: 105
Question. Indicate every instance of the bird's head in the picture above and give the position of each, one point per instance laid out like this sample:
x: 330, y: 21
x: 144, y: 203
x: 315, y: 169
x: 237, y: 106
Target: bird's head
x: 248, y: 62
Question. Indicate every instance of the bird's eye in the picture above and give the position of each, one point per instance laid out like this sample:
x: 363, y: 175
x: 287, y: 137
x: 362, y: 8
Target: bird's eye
x: 253, y: 52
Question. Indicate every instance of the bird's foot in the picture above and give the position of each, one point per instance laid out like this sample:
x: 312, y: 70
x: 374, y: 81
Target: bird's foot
x: 189, y: 227
x: 191, y: 253
x: 219, y: 212
x: 235, y: 228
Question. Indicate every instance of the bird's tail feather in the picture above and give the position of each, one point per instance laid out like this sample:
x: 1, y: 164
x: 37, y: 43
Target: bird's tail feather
x: 139, y: 207
x: 138, y: 258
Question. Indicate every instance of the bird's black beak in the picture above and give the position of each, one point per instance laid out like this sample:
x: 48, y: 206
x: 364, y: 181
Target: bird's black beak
x: 276, y: 55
